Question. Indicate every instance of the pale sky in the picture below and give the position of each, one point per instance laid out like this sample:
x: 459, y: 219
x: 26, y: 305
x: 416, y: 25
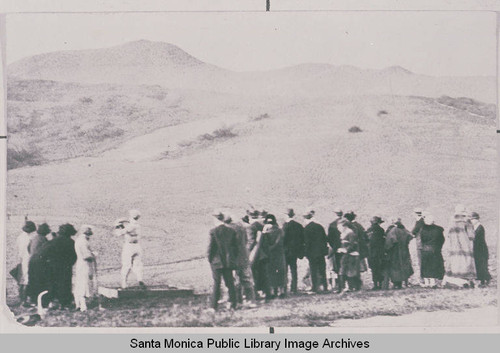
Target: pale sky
x: 433, y: 43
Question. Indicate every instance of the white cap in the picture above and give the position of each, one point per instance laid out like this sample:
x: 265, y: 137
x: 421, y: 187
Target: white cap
x: 460, y: 209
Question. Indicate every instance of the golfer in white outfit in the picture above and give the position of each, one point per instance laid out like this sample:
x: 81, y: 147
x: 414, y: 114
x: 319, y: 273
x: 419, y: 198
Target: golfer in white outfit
x: 132, y: 251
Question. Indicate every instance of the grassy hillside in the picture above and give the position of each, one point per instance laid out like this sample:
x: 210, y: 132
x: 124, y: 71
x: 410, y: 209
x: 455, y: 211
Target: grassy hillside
x: 419, y: 153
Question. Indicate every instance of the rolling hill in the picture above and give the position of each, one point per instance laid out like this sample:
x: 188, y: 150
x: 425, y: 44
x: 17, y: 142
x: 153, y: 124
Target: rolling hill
x: 194, y: 137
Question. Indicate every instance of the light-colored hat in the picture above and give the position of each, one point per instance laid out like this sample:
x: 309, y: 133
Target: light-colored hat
x: 134, y: 213
x: 429, y: 218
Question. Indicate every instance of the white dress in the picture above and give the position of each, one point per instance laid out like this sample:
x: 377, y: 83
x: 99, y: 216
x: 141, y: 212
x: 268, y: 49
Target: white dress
x: 83, y: 284
x: 23, y: 242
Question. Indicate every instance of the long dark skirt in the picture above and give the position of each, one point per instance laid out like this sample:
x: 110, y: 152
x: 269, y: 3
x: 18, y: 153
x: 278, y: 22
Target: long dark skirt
x: 432, y: 265
x: 482, y: 272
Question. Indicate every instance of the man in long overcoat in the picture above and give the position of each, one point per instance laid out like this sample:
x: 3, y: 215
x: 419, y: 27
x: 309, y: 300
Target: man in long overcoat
x: 315, y: 250
x: 222, y: 255
x: 333, y: 239
x: 399, y: 260
x: 480, y: 250
x: 294, y: 245
x: 273, y: 246
x: 377, y: 256
x: 243, y: 270
x: 59, y: 256
x: 38, y: 274
x: 432, y: 240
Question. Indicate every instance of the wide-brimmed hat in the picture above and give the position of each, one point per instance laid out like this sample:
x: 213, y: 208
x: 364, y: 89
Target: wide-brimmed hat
x: 290, y: 212
x: 338, y: 211
x: 43, y: 229
x: 460, y: 210
x: 474, y: 215
x: 66, y: 230
x: 245, y: 219
x: 218, y: 215
x: 29, y: 227
x: 228, y: 218
x: 309, y: 213
x: 377, y: 220
x: 253, y: 213
x: 350, y: 216
x: 264, y: 213
x: 270, y: 219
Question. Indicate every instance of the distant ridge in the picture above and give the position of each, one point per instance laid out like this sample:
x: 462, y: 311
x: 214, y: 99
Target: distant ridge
x: 159, y: 63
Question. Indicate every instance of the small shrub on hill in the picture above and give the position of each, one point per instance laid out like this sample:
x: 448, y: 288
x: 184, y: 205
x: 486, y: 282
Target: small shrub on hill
x: 20, y: 157
x: 86, y: 100
x: 260, y: 117
x: 354, y: 129
x: 382, y: 112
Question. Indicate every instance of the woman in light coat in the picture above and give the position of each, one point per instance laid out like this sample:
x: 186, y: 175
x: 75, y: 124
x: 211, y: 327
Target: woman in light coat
x: 23, y: 242
x: 85, y: 266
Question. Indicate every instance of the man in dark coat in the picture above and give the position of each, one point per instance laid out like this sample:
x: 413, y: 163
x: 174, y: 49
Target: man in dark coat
x: 258, y: 258
x: 334, y: 241
x: 38, y: 275
x: 363, y: 246
x: 59, y: 256
x: 377, y: 256
x: 294, y: 246
x: 432, y: 240
x: 243, y: 270
x: 399, y: 260
x: 222, y: 255
x: 480, y: 251
x: 315, y: 250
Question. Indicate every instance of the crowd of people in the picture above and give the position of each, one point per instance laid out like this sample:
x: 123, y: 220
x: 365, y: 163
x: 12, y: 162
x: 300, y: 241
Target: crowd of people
x: 254, y: 255
x: 66, y: 269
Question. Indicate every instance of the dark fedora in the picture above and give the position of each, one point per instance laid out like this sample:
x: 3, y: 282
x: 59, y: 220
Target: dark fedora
x: 474, y: 215
x: 350, y: 216
x: 253, y: 214
x: 377, y: 220
x: 66, y: 230
x: 29, y: 227
x: 43, y: 229
x: 290, y: 213
x: 270, y: 219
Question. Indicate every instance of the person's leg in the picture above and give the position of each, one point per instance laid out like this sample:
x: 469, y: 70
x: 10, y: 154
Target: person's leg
x: 126, y: 265
x: 322, y: 273
x: 313, y: 266
x: 216, y: 275
x: 137, y: 266
x: 246, y: 281
x: 293, y: 269
x: 227, y: 275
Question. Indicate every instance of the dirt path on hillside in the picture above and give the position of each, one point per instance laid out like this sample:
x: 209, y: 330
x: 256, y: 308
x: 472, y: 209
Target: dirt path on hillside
x: 485, y: 316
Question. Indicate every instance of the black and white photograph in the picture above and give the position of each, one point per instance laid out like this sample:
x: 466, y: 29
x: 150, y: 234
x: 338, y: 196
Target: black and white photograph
x: 251, y: 169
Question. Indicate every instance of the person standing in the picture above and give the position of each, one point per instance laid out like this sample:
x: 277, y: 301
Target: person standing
x: 315, y: 249
x: 222, y: 255
x: 480, y: 250
x: 432, y: 240
x: 84, y: 269
x: 258, y: 258
x: 348, y: 254
x: 60, y: 256
x: 363, y: 245
x: 333, y: 239
x: 419, y: 222
x: 399, y: 259
x: 38, y: 272
x: 459, y: 263
x: 376, y: 251
x: 132, y: 250
x: 294, y: 246
x: 243, y: 270
x: 23, y: 242
x: 272, y: 245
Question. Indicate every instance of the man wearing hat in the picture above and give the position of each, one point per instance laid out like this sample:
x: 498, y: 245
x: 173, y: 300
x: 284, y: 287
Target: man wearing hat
x: 480, y: 250
x: 23, y: 242
x: 243, y: 270
x: 222, y: 255
x: 363, y: 246
x: 84, y: 269
x: 294, y: 245
x: 132, y: 250
x: 258, y: 259
x: 315, y: 249
x: 335, y: 244
x: 418, y: 212
x: 377, y: 256
x: 37, y: 270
